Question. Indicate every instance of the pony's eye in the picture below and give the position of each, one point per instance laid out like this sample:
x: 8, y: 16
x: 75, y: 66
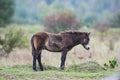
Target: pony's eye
x: 85, y: 40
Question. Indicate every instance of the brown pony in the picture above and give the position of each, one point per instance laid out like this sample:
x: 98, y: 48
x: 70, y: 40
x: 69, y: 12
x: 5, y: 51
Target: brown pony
x: 62, y: 42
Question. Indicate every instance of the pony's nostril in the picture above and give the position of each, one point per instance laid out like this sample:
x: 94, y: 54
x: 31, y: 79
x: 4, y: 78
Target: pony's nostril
x: 87, y: 47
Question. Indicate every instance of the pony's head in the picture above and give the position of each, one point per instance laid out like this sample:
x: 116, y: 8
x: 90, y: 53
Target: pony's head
x: 79, y: 38
x: 85, y: 41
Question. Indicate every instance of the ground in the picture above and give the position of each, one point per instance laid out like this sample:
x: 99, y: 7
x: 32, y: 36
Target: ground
x: 18, y: 65
x: 25, y: 72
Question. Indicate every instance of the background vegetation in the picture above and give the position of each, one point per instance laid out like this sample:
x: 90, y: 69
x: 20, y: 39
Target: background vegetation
x: 89, y: 12
x: 6, y: 11
x: 34, y: 11
x: 60, y: 22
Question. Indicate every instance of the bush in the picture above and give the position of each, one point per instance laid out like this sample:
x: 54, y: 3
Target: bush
x: 102, y: 27
x: 60, y: 22
x: 13, y: 38
x: 112, y: 64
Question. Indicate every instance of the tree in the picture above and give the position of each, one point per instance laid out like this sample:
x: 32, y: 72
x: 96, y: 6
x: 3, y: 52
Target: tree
x: 115, y: 21
x: 102, y: 27
x: 6, y: 11
x: 60, y: 22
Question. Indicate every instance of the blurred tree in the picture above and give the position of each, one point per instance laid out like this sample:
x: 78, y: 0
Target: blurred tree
x: 115, y: 20
x: 102, y: 27
x: 49, y: 1
x: 6, y: 11
x: 90, y: 19
x: 60, y: 22
x: 33, y: 11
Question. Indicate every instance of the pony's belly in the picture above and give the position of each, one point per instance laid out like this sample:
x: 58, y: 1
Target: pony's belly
x: 53, y: 47
x: 51, y: 50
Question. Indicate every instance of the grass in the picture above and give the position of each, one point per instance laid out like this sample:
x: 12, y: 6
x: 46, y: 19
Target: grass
x: 89, y: 66
x: 14, y: 66
x: 25, y: 72
x: 27, y: 28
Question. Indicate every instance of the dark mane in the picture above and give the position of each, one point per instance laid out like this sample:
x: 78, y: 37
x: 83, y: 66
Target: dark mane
x: 72, y: 32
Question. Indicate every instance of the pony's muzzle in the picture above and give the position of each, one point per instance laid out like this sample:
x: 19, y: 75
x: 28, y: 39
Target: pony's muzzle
x: 87, y: 47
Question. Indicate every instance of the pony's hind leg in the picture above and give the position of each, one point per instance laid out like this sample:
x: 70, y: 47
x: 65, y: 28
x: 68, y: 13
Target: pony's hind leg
x: 34, y: 60
x: 39, y: 61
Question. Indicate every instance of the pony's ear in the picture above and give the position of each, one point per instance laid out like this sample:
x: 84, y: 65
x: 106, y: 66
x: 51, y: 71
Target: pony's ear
x: 89, y: 33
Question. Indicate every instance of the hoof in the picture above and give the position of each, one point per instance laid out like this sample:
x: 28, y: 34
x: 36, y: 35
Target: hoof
x: 62, y: 68
x: 42, y: 69
x: 35, y: 70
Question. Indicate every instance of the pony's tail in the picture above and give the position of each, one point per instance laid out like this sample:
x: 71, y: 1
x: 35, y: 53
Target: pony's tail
x: 32, y: 44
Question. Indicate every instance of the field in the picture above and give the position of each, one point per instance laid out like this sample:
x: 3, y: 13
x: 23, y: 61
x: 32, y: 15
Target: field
x: 18, y: 65
x: 26, y: 73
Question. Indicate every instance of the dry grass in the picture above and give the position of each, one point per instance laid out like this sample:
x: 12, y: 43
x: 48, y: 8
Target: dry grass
x: 18, y: 56
x: 99, y: 52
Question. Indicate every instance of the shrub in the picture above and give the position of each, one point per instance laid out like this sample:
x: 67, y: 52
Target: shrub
x: 102, y: 27
x: 112, y: 64
x: 13, y: 38
x: 60, y: 22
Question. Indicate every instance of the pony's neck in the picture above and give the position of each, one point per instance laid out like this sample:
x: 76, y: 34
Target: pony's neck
x: 76, y: 40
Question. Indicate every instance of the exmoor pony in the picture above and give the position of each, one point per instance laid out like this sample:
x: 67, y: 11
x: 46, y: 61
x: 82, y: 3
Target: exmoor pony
x: 61, y: 42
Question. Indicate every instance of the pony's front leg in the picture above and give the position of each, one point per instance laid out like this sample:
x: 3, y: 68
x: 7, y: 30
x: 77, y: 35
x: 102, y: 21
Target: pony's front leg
x: 39, y: 61
x: 63, y: 58
x: 34, y: 60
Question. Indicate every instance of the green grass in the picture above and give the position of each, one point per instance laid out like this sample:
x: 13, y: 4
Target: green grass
x: 1, y: 78
x: 26, y: 28
x: 25, y: 72
x: 89, y: 66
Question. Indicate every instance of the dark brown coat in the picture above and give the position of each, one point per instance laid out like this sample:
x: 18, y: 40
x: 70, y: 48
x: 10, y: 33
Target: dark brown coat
x: 62, y: 42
